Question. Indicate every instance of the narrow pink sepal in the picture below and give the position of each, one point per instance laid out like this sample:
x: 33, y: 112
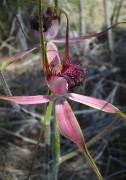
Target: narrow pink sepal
x: 77, y: 39
x: 28, y: 99
x: 23, y: 53
x: 82, y: 38
x: 52, y: 53
x: 18, y: 56
x: 93, y: 102
x: 58, y: 85
x: 68, y: 124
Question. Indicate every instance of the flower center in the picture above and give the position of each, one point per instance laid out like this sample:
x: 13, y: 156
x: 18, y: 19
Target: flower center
x: 74, y: 74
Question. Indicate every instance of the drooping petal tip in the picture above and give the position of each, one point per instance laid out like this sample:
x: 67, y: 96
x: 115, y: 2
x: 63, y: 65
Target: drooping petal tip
x: 18, y: 56
x: 70, y: 128
x: 67, y: 123
x: 93, y: 102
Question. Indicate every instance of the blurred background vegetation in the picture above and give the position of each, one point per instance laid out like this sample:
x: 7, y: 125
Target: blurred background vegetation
x: 105, y: 60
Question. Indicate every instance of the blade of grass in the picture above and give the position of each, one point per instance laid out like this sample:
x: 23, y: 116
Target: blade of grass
x: 47, y: 115
x: 11, y: 8
x: 92, y: 141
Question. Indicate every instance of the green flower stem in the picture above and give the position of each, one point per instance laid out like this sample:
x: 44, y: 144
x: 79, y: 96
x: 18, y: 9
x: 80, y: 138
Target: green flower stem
x: 47, y: 140
x: 56, y: 150
x: 56, y: 3
x: 56, y: 140
x: 48, y: 110
x: 42, y: 35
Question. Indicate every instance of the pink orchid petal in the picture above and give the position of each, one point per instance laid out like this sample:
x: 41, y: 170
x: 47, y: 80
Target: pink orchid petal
x: 68, y: 124
x: 53, y: 30
x: 93, y: 102
x: 79, y: 39
x: 18, y: 56
x: 70, y: 128
x: 82, y: 38
x: 52, y: 53
x: 58, y: 85
x: 28, y: 99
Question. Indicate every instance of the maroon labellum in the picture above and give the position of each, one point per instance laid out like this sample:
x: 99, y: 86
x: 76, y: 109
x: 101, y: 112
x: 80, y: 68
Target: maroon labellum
x: 74, y: 74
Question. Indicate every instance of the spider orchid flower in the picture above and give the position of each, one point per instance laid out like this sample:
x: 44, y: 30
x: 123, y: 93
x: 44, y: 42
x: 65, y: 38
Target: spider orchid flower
x: 60, y: 79
x: 51, y: 22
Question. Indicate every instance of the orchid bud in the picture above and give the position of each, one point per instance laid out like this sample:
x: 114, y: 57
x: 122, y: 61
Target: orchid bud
x: 51, y: 22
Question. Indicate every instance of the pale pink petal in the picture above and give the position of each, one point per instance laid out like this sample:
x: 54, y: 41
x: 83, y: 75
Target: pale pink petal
x: 77, y: 39
x: 18, y: 56
x: 52, y: 53
x: 68, y: 124
x: 93, y: 102
x: 28, y: 99
x: 58, y: 85
x: 53, y: 30
x: 82, y: 38
x: 70, y: 128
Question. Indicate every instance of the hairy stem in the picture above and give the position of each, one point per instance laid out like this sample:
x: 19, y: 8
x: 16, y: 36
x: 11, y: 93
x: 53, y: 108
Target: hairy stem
x: 56, y: 3
x: 47, y: 140
x: 56, y: 150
